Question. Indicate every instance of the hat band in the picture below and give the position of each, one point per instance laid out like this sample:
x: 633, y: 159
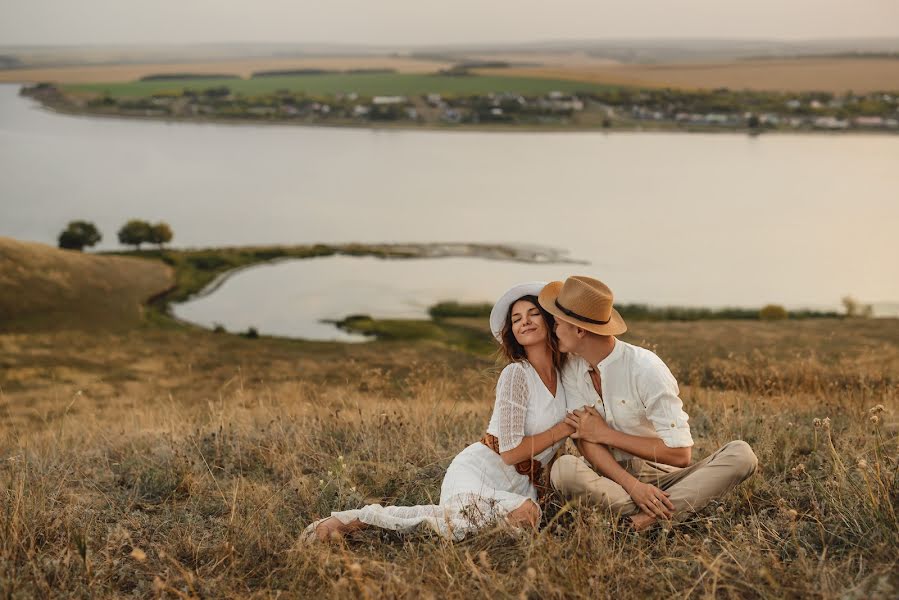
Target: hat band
x: 571, y: 313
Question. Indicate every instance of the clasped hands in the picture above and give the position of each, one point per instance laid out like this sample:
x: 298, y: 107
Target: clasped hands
x: 588, y: 425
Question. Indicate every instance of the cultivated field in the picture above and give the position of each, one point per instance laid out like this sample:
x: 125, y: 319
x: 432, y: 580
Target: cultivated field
x: 120, y: 73
x: 794, y: 75
x: 363, y: 84
x: 791, y: 75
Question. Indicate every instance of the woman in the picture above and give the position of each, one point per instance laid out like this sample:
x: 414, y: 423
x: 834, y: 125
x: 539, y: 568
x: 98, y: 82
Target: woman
x: 497, y: 477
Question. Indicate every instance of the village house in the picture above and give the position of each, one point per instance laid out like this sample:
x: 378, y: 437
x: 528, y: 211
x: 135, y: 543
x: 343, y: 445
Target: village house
x: 451, y: 115
x: 261, y: 111
x: 388, y: 100
x: 868, y: 121
x: 830, y: 123
x: 558, y: 102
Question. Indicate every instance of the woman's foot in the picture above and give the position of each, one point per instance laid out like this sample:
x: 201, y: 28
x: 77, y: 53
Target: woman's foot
x: 330, y: 528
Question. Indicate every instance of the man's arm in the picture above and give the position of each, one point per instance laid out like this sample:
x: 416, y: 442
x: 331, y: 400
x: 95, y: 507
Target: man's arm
x: 649, y: 448
x: 591, y: 427
x: 648, y: 498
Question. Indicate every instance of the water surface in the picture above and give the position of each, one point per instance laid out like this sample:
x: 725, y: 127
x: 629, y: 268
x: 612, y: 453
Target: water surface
x: 664, y: 218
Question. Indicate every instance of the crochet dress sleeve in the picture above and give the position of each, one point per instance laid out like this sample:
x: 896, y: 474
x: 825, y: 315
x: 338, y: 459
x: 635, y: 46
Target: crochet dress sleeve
x: 512, y: 393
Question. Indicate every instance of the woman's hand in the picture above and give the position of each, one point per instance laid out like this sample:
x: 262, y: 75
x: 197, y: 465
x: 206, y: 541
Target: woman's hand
x: 562, y: 430
x: 651, y: 500
x: 589, y: 425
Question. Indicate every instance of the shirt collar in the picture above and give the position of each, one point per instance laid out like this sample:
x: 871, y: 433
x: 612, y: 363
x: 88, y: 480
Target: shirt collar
x: 584, y: 366
x: 614, y: 355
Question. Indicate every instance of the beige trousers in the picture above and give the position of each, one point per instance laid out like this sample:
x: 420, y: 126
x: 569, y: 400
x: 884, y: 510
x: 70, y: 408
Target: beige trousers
x: 690, y: 488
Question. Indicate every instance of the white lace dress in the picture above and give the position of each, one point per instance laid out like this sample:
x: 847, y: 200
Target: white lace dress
x: 479, y: 487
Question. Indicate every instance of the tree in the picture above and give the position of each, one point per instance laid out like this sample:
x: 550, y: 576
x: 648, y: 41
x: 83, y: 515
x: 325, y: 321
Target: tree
x: 773, y: 312
x: 135, y: 232
x: 854, y: 308
x: 160, y: 234
x: 79, y: 234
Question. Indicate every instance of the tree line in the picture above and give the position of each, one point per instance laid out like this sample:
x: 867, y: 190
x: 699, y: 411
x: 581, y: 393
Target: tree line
x: 80, y: 234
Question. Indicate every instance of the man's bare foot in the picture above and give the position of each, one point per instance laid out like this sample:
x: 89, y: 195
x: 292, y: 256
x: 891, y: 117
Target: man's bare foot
x: 642, y: 521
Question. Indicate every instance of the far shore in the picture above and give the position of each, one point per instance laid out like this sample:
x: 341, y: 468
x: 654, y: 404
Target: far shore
x: 64, y: 105
x: 641, y: 127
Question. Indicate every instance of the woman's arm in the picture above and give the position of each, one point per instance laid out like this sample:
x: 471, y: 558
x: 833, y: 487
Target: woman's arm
x: 532, y: 445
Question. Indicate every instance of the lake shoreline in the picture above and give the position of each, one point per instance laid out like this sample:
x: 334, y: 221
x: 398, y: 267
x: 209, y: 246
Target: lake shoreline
x: 200, y: 271
x: 67, y: 109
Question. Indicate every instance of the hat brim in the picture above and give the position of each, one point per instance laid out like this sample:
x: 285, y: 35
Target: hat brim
x: 501, y: 308
x: 547, y: 299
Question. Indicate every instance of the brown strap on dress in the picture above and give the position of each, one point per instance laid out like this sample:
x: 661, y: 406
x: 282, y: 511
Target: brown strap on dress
x: 530, y: 467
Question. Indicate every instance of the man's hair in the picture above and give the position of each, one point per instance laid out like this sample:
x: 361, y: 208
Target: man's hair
x: 512, y: 351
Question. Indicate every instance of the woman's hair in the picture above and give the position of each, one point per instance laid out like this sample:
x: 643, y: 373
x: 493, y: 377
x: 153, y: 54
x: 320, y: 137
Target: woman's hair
x: 512, y: 351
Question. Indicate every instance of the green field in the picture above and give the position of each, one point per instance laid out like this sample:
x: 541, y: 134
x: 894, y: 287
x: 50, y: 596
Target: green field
x: 366, y: 84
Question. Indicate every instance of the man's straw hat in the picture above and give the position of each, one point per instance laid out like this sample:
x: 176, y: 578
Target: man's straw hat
x: 584, y: 302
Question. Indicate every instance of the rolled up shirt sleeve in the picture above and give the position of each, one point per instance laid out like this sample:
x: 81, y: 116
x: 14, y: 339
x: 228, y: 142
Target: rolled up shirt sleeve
x: 660, y: 396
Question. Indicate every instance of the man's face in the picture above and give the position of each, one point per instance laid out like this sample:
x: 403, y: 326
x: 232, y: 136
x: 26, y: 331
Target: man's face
x: 567, y: 334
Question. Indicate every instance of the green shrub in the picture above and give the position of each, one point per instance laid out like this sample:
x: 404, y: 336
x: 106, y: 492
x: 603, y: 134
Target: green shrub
x: 456, y: 309
x: 773, y: 312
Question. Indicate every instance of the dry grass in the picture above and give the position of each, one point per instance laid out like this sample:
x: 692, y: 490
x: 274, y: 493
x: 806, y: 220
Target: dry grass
x: 242, y: 68
x: 46, y: 288
x: 185, y: 464
x: 791, y: 75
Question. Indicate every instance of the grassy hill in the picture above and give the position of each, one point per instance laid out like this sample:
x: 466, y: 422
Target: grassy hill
x: 177, y: 462
x: 47, y: 288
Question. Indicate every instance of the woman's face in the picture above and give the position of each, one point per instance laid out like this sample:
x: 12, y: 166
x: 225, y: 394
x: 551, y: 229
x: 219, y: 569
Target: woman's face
x: 528, y: 325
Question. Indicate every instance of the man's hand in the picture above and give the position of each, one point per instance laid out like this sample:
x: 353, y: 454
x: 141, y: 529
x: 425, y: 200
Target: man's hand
x: 590, y: 425
x: 651, y: 500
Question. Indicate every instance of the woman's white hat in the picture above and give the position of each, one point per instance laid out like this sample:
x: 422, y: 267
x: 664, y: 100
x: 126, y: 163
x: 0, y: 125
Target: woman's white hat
x: 501, y: 308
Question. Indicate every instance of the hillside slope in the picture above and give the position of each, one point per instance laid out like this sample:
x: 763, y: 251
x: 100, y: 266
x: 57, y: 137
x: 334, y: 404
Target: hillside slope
x: 42, y: 287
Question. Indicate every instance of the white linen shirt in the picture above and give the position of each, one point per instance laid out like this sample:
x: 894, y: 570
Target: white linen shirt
x: 639, y: 395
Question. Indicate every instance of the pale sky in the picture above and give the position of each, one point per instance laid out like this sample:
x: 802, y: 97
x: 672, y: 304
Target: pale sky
x: 410, y: 22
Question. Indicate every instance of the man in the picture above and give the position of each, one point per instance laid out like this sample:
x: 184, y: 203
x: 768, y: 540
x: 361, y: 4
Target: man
x: 630, y: 423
